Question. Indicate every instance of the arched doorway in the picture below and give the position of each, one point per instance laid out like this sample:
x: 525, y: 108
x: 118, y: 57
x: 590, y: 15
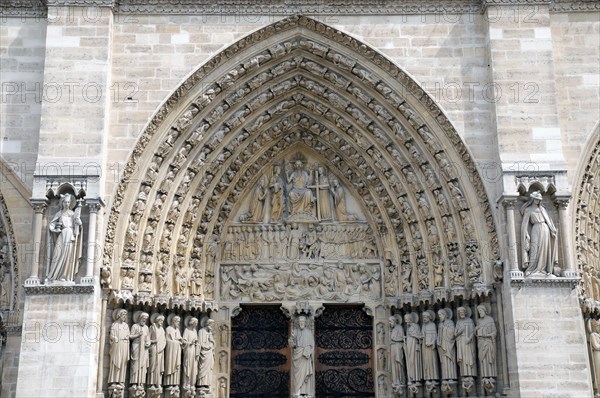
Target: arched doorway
x: 301, y: 167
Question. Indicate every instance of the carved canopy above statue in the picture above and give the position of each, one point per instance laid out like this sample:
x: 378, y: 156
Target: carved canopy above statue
x: 295, y: 134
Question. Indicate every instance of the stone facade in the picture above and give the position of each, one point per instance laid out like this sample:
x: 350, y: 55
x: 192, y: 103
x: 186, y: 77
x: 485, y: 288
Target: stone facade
x: 297, y: 163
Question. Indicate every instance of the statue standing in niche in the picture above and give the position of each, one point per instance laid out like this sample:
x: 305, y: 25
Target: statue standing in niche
x: 302, y: 343
x: 206, y: 352
x: 157, y: 350
x: 173, y: 351
x: 445, y: 344
x: 413, y: 348
x: 486, y: 342
x: 538, y: 234
x: 140, y: 342
x: 65, y: 240
x: 276, y: 186
x: 397, y: 351
x: 465, y: 344
x: 257, y: 202
x: 300, y: 196
x: 189, y: 342
x: 119, y: 347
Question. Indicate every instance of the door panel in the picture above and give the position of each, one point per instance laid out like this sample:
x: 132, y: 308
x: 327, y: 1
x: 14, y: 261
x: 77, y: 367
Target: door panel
x: 260, y: 353
x: 343, y: 353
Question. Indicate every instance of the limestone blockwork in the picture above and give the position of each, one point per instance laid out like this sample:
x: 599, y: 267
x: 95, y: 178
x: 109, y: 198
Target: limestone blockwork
x: 298, y: 165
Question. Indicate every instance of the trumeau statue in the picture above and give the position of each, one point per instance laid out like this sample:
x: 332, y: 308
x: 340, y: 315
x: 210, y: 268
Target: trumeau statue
x: 173, y: 351
x: 538, y: 235
x: 65, y: 240
x: 302, y: 344
x: 119, y: 347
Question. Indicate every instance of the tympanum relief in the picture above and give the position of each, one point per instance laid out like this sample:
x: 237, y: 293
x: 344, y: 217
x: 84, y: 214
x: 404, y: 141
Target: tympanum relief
x: 299, y: 234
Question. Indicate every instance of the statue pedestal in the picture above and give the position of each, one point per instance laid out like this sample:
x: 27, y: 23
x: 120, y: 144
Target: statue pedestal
x: 546, y: 337
x: 204, y: 392
x: 60, y: 340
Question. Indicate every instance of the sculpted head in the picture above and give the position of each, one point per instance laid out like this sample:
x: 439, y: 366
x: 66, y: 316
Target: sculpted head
x: 442, y: 315
x: 122, y: 315
x: 209, y: 324
x: 65, y: 201
x: 175, y: 322
x: 393, y: 321
x: 159, y: 321
x: 143, y: 318
x: 461, y: 312
x: 302, y: 322
x: 408, y: 319
x: 427, y: 316
x: 481, y: 310
x: 298, y: 165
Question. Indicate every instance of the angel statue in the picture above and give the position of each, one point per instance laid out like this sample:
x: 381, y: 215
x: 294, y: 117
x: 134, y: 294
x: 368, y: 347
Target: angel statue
x: 65, y: 241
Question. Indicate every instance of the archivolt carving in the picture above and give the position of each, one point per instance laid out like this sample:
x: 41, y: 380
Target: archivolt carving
x: 9, y: 271
x: 317, y: 89
x: 587, y: 232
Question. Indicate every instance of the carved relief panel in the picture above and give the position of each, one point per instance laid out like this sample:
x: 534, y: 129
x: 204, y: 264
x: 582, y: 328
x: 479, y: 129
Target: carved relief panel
x: 298, y: 234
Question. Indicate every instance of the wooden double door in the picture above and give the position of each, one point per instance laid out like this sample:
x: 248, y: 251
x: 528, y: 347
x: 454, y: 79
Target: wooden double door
x: 261, y: 355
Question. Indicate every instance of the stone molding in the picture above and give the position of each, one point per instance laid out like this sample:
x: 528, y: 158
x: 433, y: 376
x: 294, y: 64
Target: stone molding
x: 37, y: 290
x: 6, y: 223
x: 586, y: 201
x: 545, y: 281
x: 39, y: 8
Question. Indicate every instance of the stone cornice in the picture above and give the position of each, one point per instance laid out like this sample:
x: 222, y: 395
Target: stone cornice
x: 32, y: 290
x: 38, y: 8
x: 545, y: 281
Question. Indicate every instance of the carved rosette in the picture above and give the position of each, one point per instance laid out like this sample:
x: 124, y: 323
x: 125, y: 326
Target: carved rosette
x: 327, y: 95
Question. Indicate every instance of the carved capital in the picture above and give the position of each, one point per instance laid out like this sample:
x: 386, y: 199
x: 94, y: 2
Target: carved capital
x: 94, y: 205
x: 39, y: 205
x: 509, y: 203
x: 562, y: 203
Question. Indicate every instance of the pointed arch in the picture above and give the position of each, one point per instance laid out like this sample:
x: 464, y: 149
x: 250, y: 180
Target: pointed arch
x: 9, y: 270
x: 586, y: 213
x: 299, y: 80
